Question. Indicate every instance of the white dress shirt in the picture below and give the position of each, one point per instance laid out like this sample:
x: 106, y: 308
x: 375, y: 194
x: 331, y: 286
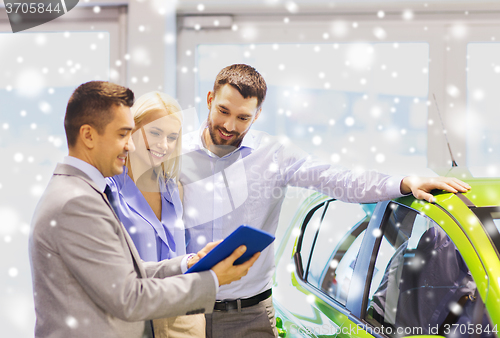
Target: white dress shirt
x: 248, y: 186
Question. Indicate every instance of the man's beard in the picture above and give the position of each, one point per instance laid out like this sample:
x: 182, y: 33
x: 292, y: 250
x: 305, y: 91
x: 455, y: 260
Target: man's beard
x: 219, y: 142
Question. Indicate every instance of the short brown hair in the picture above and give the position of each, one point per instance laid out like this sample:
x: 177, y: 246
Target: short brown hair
x: 91, y: 104
x: 245, y: 79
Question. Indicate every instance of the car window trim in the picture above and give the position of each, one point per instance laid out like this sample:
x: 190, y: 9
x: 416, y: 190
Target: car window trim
x: 467, y: 235
x: 482, y: 213
x: 473, y: 246
x: 369, y: 272
x: 297, y: 256
x: 363, y: 270
x: 327, y: 204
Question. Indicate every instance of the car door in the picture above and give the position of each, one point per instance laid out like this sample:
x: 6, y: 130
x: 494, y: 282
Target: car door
x: 325, y: 257
x: 417, y: 282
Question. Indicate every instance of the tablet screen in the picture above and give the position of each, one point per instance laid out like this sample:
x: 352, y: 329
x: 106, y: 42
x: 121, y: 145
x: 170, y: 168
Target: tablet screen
x: 254, y: 239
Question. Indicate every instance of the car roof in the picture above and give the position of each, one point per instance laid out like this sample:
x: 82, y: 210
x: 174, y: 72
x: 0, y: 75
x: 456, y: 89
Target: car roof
x: 484, y: 192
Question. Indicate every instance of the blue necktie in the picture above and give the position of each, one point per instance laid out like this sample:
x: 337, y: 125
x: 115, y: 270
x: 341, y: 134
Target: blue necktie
x: 111, y: 198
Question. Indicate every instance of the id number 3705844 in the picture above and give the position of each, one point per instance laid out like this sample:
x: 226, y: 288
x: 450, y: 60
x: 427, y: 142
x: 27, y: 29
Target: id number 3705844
x: 33, y: 7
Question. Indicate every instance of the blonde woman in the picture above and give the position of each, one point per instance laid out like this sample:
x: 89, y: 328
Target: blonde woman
x: 148, y: 196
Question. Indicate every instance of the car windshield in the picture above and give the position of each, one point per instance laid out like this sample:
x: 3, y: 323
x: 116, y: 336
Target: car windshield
x: 490, y: 219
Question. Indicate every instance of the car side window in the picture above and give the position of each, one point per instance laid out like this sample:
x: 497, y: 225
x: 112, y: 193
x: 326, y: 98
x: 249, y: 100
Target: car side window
x: 336, y: 248
x: 419, y: 277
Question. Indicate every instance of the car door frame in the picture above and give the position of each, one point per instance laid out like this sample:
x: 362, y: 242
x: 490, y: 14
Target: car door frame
x: 363, y: 273
x: 366, y: 249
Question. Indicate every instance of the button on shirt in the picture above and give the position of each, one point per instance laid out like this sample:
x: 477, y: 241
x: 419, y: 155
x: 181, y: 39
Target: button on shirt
x: 248, y: 186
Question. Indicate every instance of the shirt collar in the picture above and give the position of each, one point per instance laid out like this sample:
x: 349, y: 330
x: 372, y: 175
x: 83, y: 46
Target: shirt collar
x: 91, y: 171
x: 247, y: 142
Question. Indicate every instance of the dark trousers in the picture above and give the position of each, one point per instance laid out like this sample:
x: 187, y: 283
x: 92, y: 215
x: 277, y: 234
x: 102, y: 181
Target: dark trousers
x: 251, y: 322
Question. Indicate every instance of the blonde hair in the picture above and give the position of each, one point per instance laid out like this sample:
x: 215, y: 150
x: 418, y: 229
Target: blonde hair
x: 157, y: 101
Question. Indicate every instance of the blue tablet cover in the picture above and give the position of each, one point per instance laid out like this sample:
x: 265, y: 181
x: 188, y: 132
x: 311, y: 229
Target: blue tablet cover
x: 254, y: 239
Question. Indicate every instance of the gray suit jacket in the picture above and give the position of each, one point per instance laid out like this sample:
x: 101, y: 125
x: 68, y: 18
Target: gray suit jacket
x: 88, y: 279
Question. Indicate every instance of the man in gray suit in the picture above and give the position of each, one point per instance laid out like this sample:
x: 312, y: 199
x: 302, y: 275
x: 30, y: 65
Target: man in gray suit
x: 88, y: 279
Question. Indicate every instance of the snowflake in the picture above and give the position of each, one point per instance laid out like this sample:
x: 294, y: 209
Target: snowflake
x: 455, y: 308
x: 71, y: 322
x: 377, y: 233
x: 379, y: 33
x: 380, y: 158
x: 45, y: 107
x: 292, y: 7
x: 408, y: 15
x: 18, y: 157
x: 13, y: 272
x: 201, y: 240
x: 349, y: 121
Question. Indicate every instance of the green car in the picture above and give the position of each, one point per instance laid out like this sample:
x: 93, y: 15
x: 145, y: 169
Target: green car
x: 391, y: 269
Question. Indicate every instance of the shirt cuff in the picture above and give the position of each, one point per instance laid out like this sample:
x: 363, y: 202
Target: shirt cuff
x: 184, y: 268
x: 184, y: 263
x: 394, y: 186
x: 216, y: 281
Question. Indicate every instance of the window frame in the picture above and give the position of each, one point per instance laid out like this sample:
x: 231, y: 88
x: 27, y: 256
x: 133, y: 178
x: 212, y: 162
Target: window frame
x: 356, y: 306
x: 112, y: 19
x: 374, y: 243
x: 300, y: 273
x: 484, y: 216
x: 298, y: 257
x: 358, y: 315
x: 446, y: 54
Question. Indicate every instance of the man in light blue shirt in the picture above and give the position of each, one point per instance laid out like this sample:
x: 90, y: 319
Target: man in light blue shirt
x: 88, y: 278
x: 233, y: 175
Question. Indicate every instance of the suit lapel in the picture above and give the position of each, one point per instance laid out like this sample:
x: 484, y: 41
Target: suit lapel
x: 64, y: 169
x: 133, y: 251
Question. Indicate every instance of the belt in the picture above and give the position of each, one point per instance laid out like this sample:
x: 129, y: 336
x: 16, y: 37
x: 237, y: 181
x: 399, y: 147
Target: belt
x: 226, y: 305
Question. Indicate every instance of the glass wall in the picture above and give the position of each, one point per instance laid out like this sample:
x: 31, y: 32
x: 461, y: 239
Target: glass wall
x: 362, y: 104
x: 483, y: 103
x: 38, y: 74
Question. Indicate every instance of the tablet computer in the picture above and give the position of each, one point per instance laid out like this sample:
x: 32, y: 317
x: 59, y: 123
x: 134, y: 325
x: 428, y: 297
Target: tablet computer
x: 254, y: 239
